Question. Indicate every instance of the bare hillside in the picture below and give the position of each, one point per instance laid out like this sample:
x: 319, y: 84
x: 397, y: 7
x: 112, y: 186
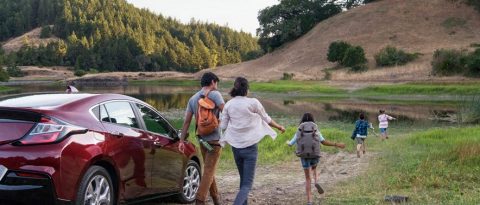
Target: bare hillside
x: 31, y: 38
x: 413, y: 25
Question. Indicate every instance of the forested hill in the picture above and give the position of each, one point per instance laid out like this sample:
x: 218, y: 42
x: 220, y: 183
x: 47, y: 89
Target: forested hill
x: 113, y: 35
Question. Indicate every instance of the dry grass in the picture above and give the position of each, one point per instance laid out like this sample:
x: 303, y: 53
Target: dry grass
x: 410, y: 25
x: 32, y: 38
x: 467, y: 151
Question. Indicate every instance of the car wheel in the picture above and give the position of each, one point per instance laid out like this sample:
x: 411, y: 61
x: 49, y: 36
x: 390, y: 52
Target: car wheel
x: 96, y: 188
x: 191, y: 182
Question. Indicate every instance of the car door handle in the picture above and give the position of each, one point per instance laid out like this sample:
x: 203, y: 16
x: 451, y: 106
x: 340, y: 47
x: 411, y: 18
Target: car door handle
x: 158, y: 144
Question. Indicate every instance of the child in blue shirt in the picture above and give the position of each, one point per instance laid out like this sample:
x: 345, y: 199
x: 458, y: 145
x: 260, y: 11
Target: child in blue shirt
x: 360, y: 133
x: 310, y: 164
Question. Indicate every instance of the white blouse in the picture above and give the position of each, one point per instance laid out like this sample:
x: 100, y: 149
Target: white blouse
x: 245, y: 122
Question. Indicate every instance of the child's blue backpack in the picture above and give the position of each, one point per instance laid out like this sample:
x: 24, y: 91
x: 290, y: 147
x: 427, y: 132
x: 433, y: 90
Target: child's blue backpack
x: 308, y: 142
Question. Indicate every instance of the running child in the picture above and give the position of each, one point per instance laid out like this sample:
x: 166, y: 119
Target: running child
x: 360, y: 133
x: 383, y: 123
x: 308, y: 139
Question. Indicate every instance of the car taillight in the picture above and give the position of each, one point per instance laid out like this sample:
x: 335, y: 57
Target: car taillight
x: 49, y: 131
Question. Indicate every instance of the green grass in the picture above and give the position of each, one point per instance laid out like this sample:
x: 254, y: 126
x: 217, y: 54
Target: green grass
x: 437, y: 166
x: 276, y: 151
x: 421, y: 89
x: 4, y: 89
x: 294, y: 86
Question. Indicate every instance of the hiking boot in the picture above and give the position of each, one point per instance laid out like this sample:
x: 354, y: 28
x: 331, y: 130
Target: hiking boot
x: 319, y: 189
x: 216, y: 200
x: 309, y: 203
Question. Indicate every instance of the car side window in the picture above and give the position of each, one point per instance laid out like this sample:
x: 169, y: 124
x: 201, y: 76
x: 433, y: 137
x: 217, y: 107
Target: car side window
x: 120, y: 113
x: 154, y: 122
x: 103, y: 114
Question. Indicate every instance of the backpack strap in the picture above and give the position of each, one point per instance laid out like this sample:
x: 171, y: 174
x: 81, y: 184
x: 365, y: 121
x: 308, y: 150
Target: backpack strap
x: 301, y: 129
x: 206, y: 94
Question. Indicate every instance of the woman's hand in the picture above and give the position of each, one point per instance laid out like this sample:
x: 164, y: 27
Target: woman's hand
x: 282, y: 129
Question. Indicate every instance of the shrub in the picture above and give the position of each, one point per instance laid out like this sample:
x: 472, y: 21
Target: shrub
x: 354, y: 56
x: 473, y: 63
x: 92, y: 71
x: 288, y: 76
x: 80, y: 73
x: 336, y: 51
x: 475, y: 45
x: 14, y: 71
x: 391, y: 56
x: 474, y: 3
x: 449, y: 62
x: 4, y: 75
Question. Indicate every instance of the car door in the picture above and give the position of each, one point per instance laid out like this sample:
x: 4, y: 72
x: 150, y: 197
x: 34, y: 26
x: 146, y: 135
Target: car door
x: 168, y: 160
x: 127, y: 145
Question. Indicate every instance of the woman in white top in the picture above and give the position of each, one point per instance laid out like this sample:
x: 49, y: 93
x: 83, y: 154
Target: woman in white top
x: 245, y: 123
x: 383, y: 123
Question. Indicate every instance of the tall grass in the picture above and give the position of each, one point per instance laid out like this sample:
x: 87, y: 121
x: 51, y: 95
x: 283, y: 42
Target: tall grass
x: 469, y: 111
x: 437, y: 166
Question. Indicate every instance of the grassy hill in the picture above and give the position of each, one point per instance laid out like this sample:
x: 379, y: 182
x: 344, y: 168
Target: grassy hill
x: 412, y: 25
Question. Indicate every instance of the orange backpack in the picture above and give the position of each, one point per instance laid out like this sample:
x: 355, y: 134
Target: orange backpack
x: 206, y: 119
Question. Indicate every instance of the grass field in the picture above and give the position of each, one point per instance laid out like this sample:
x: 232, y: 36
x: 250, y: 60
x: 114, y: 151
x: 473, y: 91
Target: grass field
x: 436, y: 166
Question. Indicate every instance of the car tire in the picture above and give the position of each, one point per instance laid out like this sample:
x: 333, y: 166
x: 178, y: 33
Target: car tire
x: 96, y: 186
x: 191, y: 183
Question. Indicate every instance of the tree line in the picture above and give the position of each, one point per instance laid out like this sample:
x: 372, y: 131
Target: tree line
x: 113, y: 35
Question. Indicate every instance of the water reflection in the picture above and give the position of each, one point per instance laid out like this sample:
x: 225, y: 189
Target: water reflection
x: 349, y: 110
x: 168, y: 98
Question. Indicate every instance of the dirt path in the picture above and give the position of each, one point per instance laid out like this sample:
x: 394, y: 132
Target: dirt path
x: 284, y: 183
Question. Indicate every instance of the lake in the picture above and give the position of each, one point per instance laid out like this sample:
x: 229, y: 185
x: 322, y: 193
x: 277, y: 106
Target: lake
x: 172, y: 100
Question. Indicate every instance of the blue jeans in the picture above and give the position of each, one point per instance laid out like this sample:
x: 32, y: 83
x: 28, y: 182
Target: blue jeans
x: 246, y: 160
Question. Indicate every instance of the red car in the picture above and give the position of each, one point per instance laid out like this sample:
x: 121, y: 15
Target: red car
x: 91, y: 149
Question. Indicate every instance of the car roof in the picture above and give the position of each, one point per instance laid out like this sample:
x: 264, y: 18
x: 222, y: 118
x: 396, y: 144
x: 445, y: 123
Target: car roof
x: 46, y: 101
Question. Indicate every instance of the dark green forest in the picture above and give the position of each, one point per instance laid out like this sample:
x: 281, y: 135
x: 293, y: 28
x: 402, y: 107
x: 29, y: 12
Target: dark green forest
x: 113, y: 35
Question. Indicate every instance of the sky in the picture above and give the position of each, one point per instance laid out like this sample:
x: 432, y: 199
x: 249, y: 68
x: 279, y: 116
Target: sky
x: 236, y: 14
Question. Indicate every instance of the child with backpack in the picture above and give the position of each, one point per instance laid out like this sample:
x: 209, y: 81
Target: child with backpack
x: 308, y: 139
x: 360, y: 133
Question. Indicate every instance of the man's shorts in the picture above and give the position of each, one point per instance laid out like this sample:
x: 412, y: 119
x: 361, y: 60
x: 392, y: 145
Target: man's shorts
x: 383, y: 130
x: 309, y: 162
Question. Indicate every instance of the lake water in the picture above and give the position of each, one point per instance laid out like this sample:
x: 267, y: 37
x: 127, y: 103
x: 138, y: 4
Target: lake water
x: 172, y: 100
